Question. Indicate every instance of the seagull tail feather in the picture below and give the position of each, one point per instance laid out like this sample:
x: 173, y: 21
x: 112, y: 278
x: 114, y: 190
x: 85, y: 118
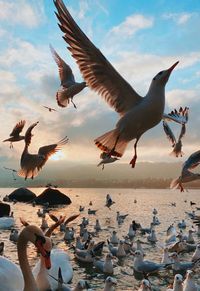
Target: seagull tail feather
x: 106, y: 143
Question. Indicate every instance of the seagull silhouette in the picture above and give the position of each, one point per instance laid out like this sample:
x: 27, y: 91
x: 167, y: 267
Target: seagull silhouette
x: 137, y: 114
x: 68, y: 87
x: 31, y: 164
x: 15, y: 134
x: 49, y: 108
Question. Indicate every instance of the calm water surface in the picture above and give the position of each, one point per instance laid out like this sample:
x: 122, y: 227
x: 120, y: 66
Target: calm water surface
x: 124, y: 198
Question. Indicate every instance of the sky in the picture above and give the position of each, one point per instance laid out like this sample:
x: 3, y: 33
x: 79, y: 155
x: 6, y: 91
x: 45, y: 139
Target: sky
x: 140, y: 38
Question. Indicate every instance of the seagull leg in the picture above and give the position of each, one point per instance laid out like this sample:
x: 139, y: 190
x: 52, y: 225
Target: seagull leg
x: 181, y: 187
x: 102, y: 167
x: 73, y: 103
x: 133, y: 161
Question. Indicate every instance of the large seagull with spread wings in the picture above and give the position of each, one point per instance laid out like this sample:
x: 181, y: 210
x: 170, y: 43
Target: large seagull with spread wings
x: 137, y: 114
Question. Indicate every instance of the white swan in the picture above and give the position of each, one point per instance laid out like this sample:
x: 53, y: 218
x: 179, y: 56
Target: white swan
x: 11, y: 277
x: 59, y: 258
x: 6, y: 222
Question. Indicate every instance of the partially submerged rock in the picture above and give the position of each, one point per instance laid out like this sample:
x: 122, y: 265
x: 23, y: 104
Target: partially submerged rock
x: 22, y: 195
x: 53, y: 197
x: 4, y: 209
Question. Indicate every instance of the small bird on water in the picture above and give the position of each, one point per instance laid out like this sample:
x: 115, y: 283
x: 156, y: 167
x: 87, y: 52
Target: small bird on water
x: 137, y: 114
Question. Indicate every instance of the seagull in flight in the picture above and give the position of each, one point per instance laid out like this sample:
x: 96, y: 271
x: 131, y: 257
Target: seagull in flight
x: 31, y: 164
x: 176, y: 144
x: 186, y: 175
x: 15, y: 134
x: 68, y: 87
x: 137, y: 114
x: 49, y: 108
x: 106, y: 159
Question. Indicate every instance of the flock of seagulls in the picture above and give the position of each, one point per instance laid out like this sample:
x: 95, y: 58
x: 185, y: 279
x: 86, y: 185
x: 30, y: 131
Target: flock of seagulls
x: 137, y: 114
x: 178, y: 266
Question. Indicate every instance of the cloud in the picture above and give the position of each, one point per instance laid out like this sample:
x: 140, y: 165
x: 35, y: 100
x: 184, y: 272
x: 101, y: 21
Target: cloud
x: 24, y: 13
x: 179, y: 18
x: 131, y: 25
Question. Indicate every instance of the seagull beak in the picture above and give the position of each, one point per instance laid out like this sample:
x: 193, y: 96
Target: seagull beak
x: 172, y: 67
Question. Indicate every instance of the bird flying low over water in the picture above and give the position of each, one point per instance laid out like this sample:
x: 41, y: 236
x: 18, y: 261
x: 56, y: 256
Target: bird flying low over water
x: 68, y: 87
x: 31, y: 164
x: 137, y: 114
x: 15, y: 134
x: 186, y: 175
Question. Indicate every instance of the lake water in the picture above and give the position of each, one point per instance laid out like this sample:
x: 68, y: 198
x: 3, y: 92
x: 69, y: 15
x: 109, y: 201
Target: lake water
x: 124, y: 198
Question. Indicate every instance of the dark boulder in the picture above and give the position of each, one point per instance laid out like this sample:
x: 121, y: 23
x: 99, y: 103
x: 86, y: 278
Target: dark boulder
x: 53, y: 197
x: 4, y: 209
x: 22, y: 195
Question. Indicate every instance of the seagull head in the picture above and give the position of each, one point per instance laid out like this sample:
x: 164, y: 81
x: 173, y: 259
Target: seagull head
x: 178, y: 278
x: 146, y: 284
x: 162, y: 77
x: 110, y: 281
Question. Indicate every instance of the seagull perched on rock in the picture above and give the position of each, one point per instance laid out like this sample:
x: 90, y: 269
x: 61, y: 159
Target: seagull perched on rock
x: 137, y: 114
x: 15, y: 134
x: 186, y: 175
x: 68, y: 87
x: 31, y: 164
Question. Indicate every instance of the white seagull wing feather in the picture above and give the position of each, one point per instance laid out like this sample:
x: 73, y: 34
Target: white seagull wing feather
x: 98, y: 73
x: 65, y: 71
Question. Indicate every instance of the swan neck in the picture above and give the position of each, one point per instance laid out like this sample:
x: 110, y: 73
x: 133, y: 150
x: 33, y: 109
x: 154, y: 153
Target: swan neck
x: 29, y: 281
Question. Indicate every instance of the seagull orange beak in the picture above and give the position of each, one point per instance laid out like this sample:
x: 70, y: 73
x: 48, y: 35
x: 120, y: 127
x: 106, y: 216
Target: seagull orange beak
x: 172, y: 67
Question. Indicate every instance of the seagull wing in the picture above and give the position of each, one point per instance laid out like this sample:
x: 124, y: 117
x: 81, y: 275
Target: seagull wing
x: 65, y: 71
x: 98, y: 73
x: 18, y: 128
x: 180, y: 116
x: 49, y: 150
x: 169, y: 133
x: 192, y: 162
x: 28, y: 134
x: 183, y: 131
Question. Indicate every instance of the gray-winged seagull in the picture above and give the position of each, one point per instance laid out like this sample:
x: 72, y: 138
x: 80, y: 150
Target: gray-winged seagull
x: 68, y: 87
x: 137, y: 114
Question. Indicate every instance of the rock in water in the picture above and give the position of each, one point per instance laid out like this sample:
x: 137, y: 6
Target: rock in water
x: 53, y: 197
x: 22, y: 195
x: 4, y: 209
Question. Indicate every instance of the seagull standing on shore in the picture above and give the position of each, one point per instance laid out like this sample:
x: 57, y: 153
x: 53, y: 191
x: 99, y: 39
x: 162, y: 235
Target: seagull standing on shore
x: 31, y: 164
x: 137, y: 114
x: 68, y: 87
